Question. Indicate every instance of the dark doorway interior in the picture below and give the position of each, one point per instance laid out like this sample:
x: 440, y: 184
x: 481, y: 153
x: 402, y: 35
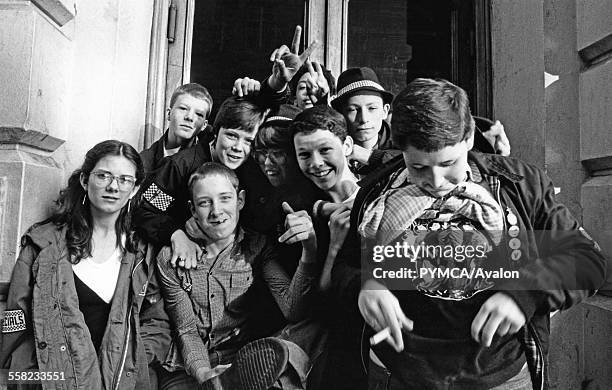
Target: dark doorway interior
x: 234, y: 38
x: 402, y: 40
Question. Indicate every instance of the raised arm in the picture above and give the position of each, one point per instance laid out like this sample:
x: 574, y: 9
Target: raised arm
x: 293, y: 294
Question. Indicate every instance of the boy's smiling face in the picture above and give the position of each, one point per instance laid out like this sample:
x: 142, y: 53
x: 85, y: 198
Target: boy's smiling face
x: 233, y: 146
x: 216, y: 206
x: 321, y: 156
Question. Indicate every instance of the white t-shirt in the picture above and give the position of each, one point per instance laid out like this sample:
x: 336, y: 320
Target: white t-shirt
x: 101, y: 277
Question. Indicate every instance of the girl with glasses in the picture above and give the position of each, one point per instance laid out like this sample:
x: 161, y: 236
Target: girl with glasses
x: 84, y: 308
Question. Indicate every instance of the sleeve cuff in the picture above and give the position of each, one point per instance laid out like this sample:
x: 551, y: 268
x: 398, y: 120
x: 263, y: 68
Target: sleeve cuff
x: 193, y: 365
x: 526, y: 301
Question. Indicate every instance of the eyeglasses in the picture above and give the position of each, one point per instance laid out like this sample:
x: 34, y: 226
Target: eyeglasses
x: 277, y: 155
x: 103, y: 179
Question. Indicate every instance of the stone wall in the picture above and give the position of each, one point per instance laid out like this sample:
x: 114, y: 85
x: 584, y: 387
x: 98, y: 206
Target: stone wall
x: 71, y: 70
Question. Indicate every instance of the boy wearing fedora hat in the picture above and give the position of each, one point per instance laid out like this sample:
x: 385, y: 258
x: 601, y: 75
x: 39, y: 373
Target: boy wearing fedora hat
x: 365, y: 104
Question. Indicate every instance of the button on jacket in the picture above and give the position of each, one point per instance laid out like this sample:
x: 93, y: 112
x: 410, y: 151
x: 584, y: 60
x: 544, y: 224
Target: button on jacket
x: 55, y: 337
x: 561, y: 266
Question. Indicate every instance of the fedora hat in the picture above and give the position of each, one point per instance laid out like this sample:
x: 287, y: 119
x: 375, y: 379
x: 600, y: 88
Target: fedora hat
x: 359, y: 79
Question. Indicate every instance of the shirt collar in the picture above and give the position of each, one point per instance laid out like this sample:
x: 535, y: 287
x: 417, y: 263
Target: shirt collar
x: 474, y: 173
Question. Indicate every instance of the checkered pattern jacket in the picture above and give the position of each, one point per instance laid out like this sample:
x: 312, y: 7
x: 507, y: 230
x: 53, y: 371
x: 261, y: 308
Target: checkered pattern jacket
x: 550, y: 268
x: 163, y: 207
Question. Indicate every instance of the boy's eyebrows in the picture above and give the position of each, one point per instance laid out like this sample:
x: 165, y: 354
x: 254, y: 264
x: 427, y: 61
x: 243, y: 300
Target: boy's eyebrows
x: 315, y: 144
x: 213, y: 195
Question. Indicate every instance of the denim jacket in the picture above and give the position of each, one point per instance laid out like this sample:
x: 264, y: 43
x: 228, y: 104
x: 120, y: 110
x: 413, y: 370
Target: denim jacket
x: 47, y: 331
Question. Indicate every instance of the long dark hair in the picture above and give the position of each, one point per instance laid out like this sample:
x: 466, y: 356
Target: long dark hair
x: 73, y: 212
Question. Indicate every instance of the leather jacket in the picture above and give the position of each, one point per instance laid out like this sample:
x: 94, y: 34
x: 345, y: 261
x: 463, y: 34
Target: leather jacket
x: 561, y: 265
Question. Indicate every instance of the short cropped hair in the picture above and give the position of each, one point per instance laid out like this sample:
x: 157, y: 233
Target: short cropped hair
x: 211, y: 169
x: 319, y: 117
x: 238, y: 113
x: 196, y: 90
x: 430, y: 115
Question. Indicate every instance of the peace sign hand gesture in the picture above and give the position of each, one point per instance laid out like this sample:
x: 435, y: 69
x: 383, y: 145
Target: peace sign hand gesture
x: 286, y: 62
x: 316, y: 83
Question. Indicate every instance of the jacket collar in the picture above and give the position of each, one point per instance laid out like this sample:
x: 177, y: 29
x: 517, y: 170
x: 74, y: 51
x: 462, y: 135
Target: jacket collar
x: 494, y: 165
x: 384, y: 135
x: 45, y: 234
x: 193, y: 141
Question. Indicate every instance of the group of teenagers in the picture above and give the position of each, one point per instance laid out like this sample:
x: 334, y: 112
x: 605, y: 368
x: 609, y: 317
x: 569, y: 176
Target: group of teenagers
x: 237, y: 255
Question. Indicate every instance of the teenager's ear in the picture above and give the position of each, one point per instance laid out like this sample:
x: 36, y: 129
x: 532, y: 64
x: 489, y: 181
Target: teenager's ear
x: 134, y: 191
x: 386, y: 108
x: 241, y: 199
x: 168, y: 110
x: 348, y: 146
x: 202, y: 128
x: 192, y: 209
x: 83, y: 180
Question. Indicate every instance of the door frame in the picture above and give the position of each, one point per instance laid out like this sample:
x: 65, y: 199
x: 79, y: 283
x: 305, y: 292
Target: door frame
x: 169, y: 61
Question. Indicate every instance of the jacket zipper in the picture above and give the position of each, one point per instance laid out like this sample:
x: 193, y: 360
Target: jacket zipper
x: 124, y: 353
x: 498, y: 196
x: 127, y: 334
x: 529, y: 326
x: 58, y: 301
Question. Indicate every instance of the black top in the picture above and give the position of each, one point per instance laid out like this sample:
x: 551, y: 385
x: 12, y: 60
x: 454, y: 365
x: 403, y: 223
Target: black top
x: 94, y: 309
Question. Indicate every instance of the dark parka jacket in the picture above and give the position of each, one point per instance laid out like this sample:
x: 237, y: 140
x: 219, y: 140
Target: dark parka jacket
x: 561, y: 265
x: 48, y: 331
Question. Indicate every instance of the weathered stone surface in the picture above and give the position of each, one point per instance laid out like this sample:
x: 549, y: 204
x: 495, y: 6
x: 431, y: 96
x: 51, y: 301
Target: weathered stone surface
x: 562, y: 160
x: 595, y: 112
x: 60, y: 11
x: 593, y: 20
x: 566, y: 349
x: 597, y: 343
x: 28, y: 185
x: 597, y: 214
x: 518, y: 75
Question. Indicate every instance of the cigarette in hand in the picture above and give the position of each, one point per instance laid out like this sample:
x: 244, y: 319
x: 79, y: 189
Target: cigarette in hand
x: 380, y: 336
